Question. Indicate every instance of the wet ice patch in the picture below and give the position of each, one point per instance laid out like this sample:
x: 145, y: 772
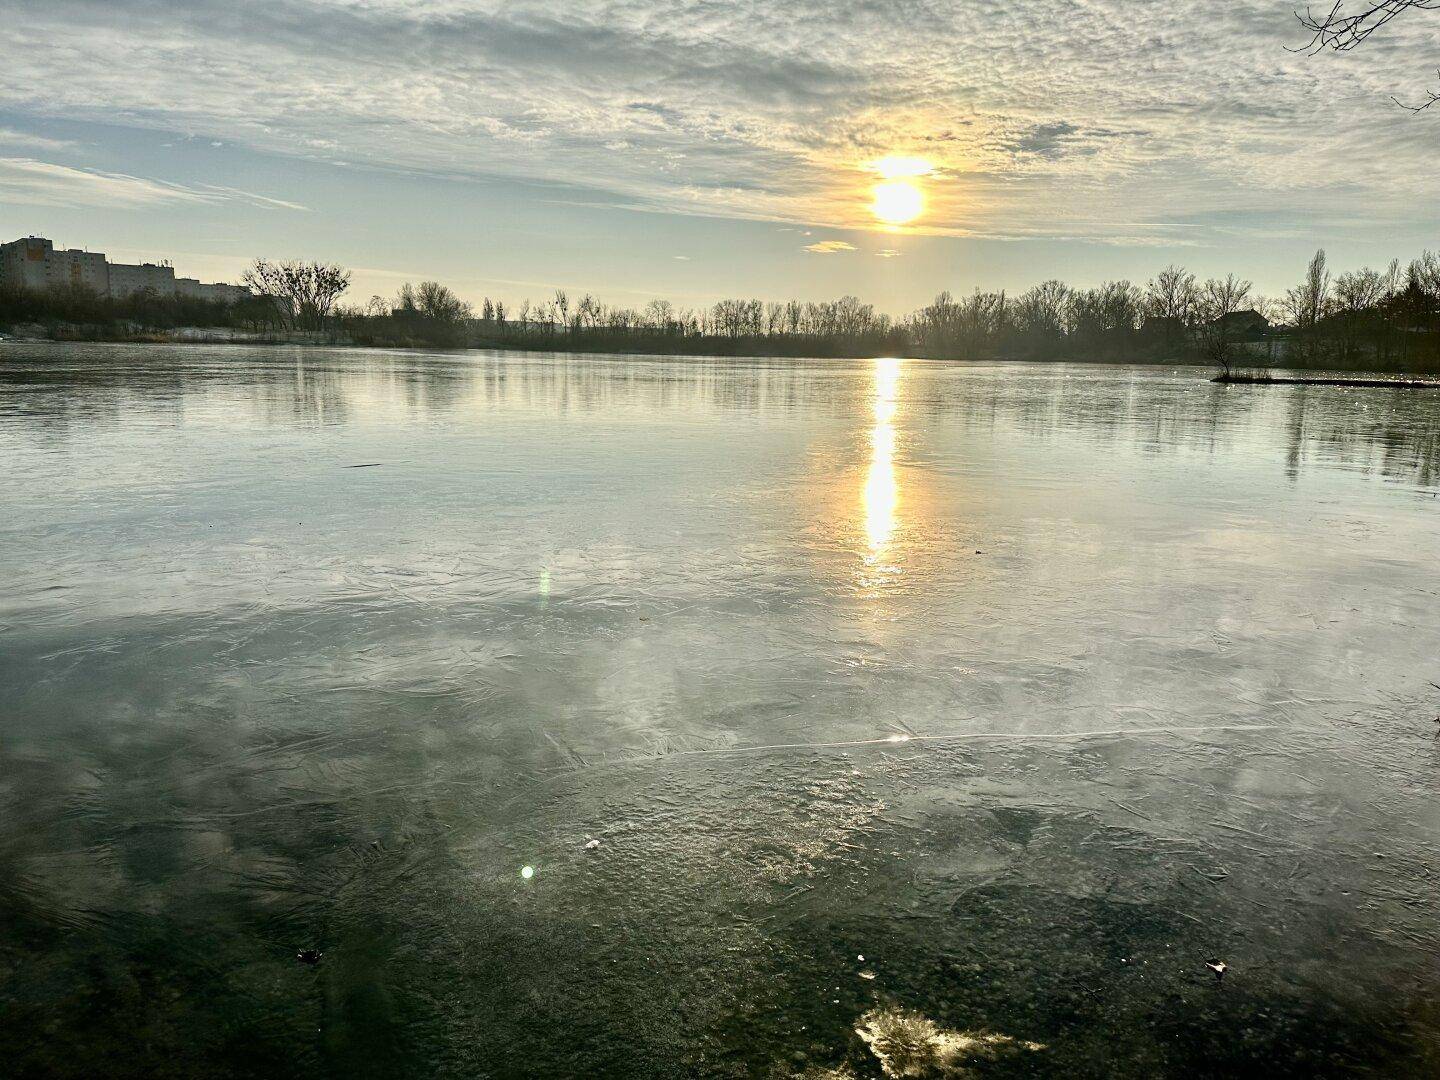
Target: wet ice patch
x: 909, y: 1044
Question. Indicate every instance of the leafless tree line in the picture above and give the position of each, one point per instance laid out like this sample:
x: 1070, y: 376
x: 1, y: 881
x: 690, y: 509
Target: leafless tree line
x: 1172, y: 315
x: 431, y: 314
x: 1385, y: 318
x: 1366, y: 317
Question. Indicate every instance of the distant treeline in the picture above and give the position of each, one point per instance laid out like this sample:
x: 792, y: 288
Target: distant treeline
x: 82, y: 314
x: 1377, y: 319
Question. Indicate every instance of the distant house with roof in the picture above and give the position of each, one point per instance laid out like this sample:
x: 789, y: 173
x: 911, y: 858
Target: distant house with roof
x: 1243, y: 326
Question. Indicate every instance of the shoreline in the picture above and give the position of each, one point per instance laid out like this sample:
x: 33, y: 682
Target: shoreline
x: 1365, y: 378
x: 1280, y: 380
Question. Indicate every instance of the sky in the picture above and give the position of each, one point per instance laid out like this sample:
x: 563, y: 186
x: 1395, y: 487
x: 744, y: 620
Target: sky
x: 693, y: 149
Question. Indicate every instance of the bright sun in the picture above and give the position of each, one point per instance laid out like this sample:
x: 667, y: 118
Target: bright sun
x: 898, y: 199
x: 897, y: 202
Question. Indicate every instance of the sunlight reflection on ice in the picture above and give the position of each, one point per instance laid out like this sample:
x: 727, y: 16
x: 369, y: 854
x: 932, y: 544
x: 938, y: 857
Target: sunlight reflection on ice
x: 882, y: 493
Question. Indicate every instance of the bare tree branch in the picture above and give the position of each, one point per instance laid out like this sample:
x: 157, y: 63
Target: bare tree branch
x: 1431, y: 97
x: 1337, y: 31
x: 1340, y: 32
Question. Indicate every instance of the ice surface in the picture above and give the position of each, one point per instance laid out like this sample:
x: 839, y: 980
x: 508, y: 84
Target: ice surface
x: 1036, y: 686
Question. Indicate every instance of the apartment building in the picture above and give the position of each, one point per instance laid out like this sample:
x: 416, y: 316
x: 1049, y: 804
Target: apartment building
x: 33, y: 262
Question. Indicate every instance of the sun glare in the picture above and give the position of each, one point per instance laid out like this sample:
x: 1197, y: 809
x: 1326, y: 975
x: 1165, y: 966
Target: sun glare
x: 895, y: 167
x: 898, y: 198
x: 897, y: 202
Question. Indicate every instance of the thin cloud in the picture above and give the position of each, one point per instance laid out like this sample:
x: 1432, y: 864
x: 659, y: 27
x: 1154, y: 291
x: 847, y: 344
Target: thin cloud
x: 11, y: 137
x: 42, y: 183
x: 25, y: 180
x: 262, y: 201
x: 829, y: 247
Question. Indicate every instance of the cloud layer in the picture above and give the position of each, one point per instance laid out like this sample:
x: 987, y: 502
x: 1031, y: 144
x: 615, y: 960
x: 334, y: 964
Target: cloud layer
x: 1121, y: 120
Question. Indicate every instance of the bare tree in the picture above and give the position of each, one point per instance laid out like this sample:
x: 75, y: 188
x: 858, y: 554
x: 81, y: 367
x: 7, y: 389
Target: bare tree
x: 1219, y: 301
x: 1426, y: 272
x: 1357, y: 296
x: 1169, y: 299
x: 1339, y: 31
x: 659, y: 315
x: 1309, y: 303
x: 1039, y: 314
x: 438, y: 302
x: 588, y: 312
x: 1170, y: 294
x: 1269, y: 308
x: 303, y: 292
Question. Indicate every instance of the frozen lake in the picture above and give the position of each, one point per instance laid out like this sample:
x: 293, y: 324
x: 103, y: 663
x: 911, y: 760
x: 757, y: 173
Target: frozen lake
x: 1037, y: 687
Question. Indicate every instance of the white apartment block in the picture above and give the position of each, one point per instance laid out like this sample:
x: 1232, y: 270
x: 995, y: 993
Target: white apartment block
x: 33, y: 262
x: 127, y: 279
x: 226, y: 294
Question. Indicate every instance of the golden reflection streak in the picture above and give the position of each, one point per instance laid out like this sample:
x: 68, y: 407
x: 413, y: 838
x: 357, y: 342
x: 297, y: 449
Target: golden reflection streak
x: 882, y: 493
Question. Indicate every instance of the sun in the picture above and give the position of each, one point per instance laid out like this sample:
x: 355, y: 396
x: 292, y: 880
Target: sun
x: 897, y: 202
x: 898, y: 199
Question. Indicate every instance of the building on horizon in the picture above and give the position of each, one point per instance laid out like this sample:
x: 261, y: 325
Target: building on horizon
x: 127, y: 279
x: 34, y: 263
x: 220, y: 291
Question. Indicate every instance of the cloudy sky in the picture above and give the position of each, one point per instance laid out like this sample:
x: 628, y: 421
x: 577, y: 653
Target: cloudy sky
x: 693, y: 149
